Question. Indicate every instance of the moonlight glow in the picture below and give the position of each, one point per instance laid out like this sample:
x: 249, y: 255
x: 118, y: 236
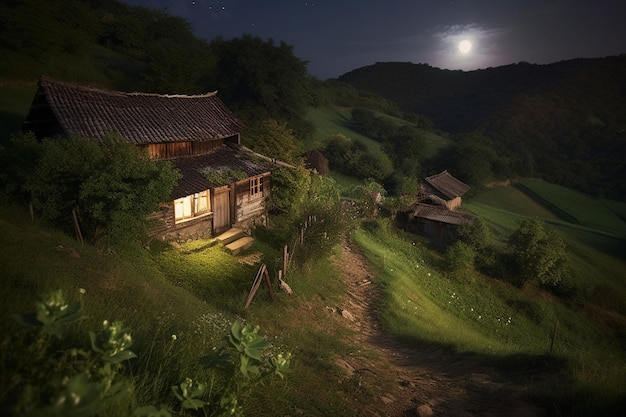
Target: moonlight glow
x: 465, y: 46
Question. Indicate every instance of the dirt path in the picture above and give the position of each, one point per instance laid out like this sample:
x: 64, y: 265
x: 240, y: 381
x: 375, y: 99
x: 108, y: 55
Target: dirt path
x: 426, y: 382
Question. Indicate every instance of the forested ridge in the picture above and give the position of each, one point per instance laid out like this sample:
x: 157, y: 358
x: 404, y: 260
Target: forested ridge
x: 565, y: 121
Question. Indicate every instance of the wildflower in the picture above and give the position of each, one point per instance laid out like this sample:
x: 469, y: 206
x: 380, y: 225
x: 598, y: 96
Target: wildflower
x: 82, y: 291
x: 173, y: 337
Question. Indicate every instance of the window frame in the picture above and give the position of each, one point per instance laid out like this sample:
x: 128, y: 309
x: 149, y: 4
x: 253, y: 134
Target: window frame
x: 191, y: 206
x: 256, y: 187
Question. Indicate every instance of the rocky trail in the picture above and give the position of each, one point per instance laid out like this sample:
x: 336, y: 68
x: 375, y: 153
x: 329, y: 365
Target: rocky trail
x: 426, y: 381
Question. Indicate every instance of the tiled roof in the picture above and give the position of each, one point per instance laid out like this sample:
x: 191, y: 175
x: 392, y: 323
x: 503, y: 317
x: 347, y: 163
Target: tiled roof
x: 441, y: 215
x: 226, y: 158
x: 447, y: 185
x: 140, y: 118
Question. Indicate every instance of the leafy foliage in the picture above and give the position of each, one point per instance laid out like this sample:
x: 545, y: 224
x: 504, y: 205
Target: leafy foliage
x: 113, y: 185
x: 460, y: 256
x: 354, y: 158
x: 540, y: 254
x: 225, y: 177
x: 55, y: 380
x: 309, y: 199
x: 53, y: 314
x: 261, y: 80
x: 272, y: 138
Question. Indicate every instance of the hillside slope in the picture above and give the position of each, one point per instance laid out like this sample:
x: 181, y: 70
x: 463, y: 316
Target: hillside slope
x: 564, y: 122
x: 460, y: 101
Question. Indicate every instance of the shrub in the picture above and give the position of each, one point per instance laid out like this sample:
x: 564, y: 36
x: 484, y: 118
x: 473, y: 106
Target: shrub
x: 353, y: 158
x: 112, y: 186
x: 540, y: 255
x: 460, y: 256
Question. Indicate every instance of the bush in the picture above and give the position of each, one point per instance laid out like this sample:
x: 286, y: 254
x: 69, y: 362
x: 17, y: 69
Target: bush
x: 460, y: 257
x: 112, y: 186
x: 540, y: 255
x: 353, y: 158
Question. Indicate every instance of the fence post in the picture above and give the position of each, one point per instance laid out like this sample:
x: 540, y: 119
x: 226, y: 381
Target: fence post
x: 79, y: 234
x: 553, y: 334
x: 285, y: 258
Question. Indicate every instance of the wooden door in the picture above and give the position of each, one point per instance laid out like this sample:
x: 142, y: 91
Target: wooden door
x: 221, y: 210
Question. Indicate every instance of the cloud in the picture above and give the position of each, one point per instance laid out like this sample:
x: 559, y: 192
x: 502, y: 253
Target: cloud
x: 447, y: 38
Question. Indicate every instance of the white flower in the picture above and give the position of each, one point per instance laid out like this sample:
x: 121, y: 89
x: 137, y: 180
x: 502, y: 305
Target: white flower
x: 173, y: 337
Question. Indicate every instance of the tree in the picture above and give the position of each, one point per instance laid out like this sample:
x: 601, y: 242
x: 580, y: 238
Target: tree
x: 405, y: 146
x: 474, y: 234
x: 125, y: 189
x: 272, y: 138
x: 540, y: 255
x: 17, y: 159
x: 290, y: 187
x: 354, y: 158
x: 113, y: 185
x: 262, y: 80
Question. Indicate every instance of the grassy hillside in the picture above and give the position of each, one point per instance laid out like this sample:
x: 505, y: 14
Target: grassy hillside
x: 329, y: 121
x: 596, y: 249
x: 196, y: 290
x: 179, y: 302
x: 485, y: 317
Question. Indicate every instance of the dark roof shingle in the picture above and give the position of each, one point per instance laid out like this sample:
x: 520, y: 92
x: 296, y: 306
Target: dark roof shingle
x: 140, y: 118
x: 441, y: 215
x: 447, y: 185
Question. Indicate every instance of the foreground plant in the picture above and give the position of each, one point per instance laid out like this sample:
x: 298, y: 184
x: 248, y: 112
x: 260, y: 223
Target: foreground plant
x: 52, y: 380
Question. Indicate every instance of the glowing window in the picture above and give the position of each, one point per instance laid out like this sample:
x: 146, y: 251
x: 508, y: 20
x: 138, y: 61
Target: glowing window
x: 192, y: 206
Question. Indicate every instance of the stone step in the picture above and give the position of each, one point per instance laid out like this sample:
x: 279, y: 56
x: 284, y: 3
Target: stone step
x: 230, y: 236
x: 239, y: 245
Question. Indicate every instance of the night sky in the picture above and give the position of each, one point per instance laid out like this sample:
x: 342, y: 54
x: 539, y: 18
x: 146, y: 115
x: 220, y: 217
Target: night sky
x: 336, y: 36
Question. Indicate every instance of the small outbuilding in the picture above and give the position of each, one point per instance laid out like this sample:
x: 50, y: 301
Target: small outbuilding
x: 437, y: 212
x: 443, y: 187
x: 223, y: 183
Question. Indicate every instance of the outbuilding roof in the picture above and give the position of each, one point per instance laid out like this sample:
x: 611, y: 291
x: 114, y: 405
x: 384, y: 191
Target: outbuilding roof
x: 447, y: 185
x: 441, y: 215
x: 140, y: 118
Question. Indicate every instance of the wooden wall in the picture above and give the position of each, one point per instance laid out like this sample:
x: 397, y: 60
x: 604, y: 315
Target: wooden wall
x: 177, y: 149
x: 247, y: 207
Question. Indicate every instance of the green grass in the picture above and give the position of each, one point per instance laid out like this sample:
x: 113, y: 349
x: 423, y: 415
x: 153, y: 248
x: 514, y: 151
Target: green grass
x: 587, y: 211
x: 194, y: 291
x: 495, y: 322
x: 329, y: 121
x: 512, y: 200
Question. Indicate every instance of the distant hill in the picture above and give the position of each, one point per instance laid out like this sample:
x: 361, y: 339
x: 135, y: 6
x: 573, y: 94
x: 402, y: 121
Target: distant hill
x: 461, y: 101
x: 564, y: 121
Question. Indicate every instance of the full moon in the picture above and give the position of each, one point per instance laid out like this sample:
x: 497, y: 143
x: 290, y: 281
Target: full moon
x: 465, y: 46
